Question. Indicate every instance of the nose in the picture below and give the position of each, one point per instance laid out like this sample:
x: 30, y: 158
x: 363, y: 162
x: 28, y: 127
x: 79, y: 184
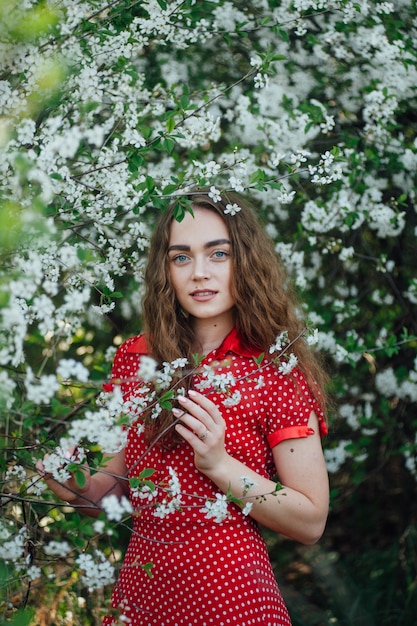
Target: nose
x: 200, y: 268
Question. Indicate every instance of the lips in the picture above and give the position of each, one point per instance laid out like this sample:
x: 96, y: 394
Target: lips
x: 203, y: 294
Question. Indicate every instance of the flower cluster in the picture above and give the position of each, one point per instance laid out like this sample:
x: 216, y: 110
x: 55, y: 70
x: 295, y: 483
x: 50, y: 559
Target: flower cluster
x: 56, y: 463
x: 173, y: 501
x: 97, y: 572
x: 217, y: 509
x: 116, y: 508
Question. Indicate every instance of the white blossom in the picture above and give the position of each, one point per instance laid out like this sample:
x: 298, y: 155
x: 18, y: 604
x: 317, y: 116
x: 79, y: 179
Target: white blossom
x: 209, y: 169
x: 280, y: 342
x: 247, y: 508
x: 232, y: 209
x: 336, y: 457
x: 214, y: 194
x: 233, y: 399
x: 178, y: 363
x: 313, y: 337
x: 386, y: 382
x: 57, y: 548
x: 210, y: 378
x: 146, y: 492
x: 99, y: 426
x: 97, y: 572
x: 13, y: 549
x: 173, y: 502
x: 99, y: 525
x: 33, y: 572
x: 385, y: 221
x: 116, y: 508
x: 285, y: 367
x: 41, y: 390
x: 56, y: 462
x: 147, y: 368
x: 174, y: 484
x: 36, y: 486
x: 166, y: 507
x: 260, y: 382
x: 217, y: 509
x: 16, y: 472
x: 70, y: 368
x: 247, y: 484
x: 7, y: 387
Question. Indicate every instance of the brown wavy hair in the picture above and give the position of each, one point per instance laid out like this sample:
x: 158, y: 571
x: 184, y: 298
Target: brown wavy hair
x: 266, y: 303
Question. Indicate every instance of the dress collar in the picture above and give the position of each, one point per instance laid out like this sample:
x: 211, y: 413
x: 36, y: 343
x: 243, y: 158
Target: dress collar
x: 231, y: 343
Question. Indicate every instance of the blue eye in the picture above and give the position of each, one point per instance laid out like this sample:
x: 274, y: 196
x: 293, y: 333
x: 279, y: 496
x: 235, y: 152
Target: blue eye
x: 180, y: 258
x: 220, y: 254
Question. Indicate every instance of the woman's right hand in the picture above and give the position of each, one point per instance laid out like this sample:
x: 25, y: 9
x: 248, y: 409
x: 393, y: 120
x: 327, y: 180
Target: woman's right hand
x: 72, y: 489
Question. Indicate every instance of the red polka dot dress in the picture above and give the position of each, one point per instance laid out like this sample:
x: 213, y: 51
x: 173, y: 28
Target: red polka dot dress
x: 205, y: 572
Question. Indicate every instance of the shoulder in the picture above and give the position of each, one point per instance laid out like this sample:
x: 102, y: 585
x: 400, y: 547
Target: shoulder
x: 126, y: 360
x: 136, y: 345
x: 287, y: 387
x: 130, y: 349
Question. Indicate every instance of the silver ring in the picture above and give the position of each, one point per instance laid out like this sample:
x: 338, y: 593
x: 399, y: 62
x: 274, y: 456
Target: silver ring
x: 203, y: 436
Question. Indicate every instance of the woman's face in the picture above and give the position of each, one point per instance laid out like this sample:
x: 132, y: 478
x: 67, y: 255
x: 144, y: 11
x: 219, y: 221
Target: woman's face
x: 200, y: 267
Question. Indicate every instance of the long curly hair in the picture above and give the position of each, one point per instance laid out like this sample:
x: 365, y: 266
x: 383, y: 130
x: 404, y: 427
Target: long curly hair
x: 266, y: 303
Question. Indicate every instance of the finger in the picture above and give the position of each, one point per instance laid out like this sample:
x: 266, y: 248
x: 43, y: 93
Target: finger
x: 194, y: 424
x: 40, y: 467
x: 193, y: 438
x: 208, y: 405
x: 194, y: 409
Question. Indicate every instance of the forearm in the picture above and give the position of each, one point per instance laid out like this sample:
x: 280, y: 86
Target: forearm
x: 87, y: 493
x: 299, y: 510
x: 286, y: 510
x: 89, y: 500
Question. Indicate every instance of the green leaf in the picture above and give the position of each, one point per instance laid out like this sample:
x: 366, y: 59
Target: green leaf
x: 80, y: 477
x: 169, y: 189
x: 134, y: 162
x: 258, y: 360
x: 179, y: 212
x: 284, y: 34
x: 82, y: 253
x: 184, y: 101
x: 171, y: 123
x: 168, y: 144
x: 147, y: 567
x: 146, y: 473
x: 21, y: 618
x: 256, y: 177
x: 150, y: 183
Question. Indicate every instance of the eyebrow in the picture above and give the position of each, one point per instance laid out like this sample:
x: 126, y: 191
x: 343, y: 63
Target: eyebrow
x: 209, y: 244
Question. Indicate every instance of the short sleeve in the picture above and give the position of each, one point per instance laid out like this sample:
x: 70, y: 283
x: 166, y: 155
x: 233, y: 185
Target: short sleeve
x: 288, y: 403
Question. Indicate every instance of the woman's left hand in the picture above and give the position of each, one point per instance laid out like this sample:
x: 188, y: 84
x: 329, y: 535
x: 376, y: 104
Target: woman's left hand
x: 203, y: 427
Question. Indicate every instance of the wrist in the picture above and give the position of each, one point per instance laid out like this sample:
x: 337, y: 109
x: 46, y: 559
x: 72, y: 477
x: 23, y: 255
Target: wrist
x: 220, y: 472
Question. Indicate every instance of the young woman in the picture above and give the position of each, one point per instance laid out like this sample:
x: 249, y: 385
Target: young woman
x: 216, y: 295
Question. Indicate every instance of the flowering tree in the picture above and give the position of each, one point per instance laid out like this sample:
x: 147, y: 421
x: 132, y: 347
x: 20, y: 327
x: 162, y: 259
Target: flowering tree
x: 112, y: 109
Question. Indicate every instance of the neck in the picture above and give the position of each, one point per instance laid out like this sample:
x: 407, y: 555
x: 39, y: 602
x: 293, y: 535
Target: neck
x: 210, y: 334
